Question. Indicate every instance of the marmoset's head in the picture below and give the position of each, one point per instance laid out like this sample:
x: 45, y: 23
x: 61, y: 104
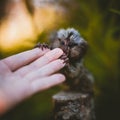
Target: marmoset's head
x: 70, y: 41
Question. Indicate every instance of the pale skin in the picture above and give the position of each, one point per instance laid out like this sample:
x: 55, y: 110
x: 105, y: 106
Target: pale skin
x: 26, y: 73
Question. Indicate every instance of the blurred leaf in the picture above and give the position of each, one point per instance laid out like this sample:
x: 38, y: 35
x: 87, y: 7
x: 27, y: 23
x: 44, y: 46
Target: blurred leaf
x: 115, y: 11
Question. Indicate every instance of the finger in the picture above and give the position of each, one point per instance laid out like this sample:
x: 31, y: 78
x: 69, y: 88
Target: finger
x: 45, y: 83
x: 45, y: 59
x: 46, y: 70
x: 16, y: 61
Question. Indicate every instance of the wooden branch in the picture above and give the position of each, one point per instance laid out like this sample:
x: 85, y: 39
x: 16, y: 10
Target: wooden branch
x: 73, y: 106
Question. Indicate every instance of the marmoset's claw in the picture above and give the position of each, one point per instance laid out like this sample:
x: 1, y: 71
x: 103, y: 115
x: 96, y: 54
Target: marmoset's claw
x: 65, y: 58
x: 42, y: 46
x: 37, y: 45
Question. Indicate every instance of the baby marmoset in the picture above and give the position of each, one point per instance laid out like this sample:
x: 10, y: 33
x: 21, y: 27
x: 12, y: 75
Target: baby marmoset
x: 74, y: 46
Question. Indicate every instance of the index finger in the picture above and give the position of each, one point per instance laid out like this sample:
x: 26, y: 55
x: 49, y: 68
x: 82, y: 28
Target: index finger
x: 16, y: 61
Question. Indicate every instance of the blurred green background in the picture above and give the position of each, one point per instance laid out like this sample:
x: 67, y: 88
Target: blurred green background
x: 98, y: 22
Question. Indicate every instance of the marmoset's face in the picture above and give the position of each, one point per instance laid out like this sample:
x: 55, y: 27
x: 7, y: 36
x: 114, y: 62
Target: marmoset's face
x: 77, y: 51
x: 71, y: 42
x: 73, y: 49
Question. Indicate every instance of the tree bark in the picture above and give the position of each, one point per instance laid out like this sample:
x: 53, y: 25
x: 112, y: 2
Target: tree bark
x: 73, y: 106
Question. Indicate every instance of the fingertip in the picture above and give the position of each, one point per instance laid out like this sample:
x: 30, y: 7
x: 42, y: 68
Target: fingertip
x: 53, y: 54
x: 60, y: 77
x: 58, y: 50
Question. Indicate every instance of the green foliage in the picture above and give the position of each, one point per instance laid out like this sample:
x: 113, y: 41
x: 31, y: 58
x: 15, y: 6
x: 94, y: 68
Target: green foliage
x: 115, y: 11
x: 99, y: 28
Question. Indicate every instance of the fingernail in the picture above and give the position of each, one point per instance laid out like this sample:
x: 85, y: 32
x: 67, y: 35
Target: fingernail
x: 58, y: 50
x: 63, y: 79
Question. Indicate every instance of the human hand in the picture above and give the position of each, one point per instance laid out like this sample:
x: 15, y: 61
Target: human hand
x: 26, y: 73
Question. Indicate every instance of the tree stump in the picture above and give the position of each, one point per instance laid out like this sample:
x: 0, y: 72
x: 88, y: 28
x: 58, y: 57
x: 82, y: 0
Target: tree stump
x: 73, y: 106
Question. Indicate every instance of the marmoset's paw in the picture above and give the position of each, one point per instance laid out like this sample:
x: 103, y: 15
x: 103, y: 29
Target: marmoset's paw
x: 65, y: 58
x: 42, y: 46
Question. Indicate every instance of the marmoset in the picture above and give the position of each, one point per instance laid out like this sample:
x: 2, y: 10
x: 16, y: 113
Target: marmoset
x: 74, y: 46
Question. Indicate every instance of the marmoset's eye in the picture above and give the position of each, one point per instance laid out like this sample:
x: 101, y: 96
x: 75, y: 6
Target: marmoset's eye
x: 62, y: 43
